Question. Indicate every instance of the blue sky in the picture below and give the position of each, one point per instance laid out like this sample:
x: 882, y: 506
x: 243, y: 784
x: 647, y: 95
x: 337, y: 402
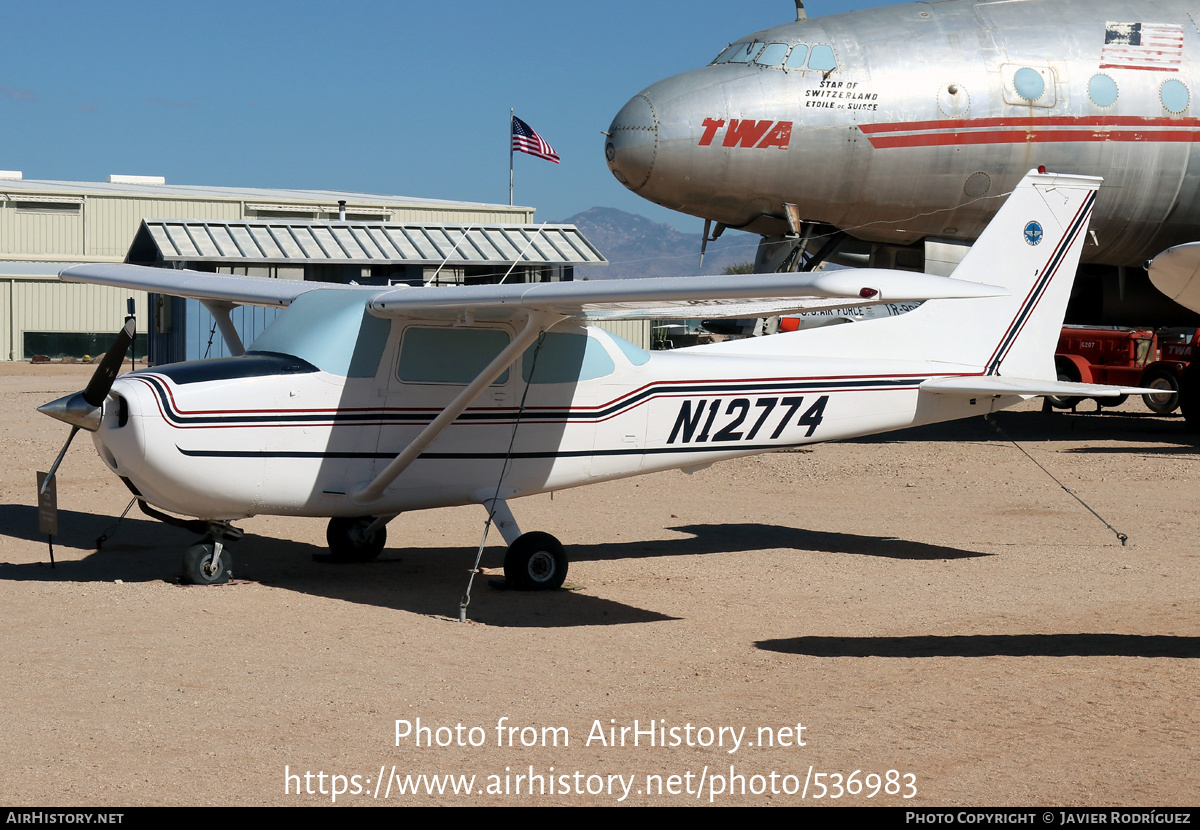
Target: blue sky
x: 405, y: 98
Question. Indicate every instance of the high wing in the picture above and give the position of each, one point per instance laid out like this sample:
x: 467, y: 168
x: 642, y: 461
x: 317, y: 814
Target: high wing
x: 744, y: 295
x: 195, y: 285
x: 747, y: 295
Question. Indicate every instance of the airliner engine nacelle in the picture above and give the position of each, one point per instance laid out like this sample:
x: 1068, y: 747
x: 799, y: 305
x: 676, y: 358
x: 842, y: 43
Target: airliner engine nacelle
x: 907, y: 123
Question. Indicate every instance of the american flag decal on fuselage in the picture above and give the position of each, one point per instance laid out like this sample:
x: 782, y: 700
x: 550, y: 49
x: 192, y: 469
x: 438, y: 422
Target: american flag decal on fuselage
x: 1152, y: 46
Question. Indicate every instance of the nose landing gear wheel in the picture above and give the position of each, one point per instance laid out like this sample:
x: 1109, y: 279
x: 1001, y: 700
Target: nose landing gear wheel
x: 202, y: 567
x: 535, y: 562
x: 348, y: 541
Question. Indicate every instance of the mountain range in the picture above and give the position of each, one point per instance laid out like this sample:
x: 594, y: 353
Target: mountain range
x: 638, y: 247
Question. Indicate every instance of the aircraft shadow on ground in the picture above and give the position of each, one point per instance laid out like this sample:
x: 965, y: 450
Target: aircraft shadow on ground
x: 735, y: 538
x: 1132, y: 427
x: 991, y: 645
x: 426, y: 580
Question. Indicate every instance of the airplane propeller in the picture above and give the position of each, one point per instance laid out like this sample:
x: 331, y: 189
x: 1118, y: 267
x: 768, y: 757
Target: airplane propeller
x: 82, y: 410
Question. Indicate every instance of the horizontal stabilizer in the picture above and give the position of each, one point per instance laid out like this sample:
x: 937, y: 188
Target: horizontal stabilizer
x: 995, y: 385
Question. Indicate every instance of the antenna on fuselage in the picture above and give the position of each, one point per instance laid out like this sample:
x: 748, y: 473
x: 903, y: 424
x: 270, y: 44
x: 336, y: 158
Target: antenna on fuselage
x: 800, y: 13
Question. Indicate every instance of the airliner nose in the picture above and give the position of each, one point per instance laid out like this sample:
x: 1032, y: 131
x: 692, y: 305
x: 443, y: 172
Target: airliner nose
x: 632, y: 143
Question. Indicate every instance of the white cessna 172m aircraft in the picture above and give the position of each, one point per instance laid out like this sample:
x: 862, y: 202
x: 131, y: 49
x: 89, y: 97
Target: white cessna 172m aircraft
x: 361, y: 403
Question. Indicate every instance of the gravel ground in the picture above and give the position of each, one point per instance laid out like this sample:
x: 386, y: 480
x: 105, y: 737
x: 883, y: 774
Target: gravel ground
x: 925, y: 607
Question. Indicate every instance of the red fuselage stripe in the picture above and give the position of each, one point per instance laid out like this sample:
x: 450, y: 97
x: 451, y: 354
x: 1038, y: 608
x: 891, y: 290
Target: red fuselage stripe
x: 1028, y: 130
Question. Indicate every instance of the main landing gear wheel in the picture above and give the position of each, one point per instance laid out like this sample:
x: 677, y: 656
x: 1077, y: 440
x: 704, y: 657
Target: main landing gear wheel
x: 201, y: 567
x: 535, y: 562
x: 1068, y: 374
x: 348, y: 541
x: 1167, y: 401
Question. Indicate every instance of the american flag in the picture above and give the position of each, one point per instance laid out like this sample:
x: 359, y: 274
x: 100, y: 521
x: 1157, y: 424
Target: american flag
x: 525, y: 140
x: 1152, y: 46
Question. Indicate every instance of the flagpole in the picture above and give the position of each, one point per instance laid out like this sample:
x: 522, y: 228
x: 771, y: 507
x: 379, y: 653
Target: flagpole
x: 510, y: 156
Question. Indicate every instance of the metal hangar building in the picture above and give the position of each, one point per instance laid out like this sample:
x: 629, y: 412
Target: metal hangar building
x: 329, y: 236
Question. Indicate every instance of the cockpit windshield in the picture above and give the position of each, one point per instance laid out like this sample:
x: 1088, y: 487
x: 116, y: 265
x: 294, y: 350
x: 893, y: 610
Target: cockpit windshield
x: 783, y: 56
x: 331, y: 329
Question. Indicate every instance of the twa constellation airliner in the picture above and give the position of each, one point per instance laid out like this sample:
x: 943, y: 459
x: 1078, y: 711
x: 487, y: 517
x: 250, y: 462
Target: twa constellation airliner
x: 880, y: 133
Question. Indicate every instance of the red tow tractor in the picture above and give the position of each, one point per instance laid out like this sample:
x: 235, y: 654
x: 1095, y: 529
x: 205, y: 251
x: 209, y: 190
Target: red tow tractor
x: 1131, y: 357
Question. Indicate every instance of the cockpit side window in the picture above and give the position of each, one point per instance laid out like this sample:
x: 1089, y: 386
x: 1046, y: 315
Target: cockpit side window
x: 822, y: 59
x: 449, y: 355
x: 773, y: 55
x: 796, y: 59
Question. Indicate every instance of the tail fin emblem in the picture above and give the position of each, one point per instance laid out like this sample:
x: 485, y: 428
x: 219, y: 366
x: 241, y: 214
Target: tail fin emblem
x: 1033, y: 233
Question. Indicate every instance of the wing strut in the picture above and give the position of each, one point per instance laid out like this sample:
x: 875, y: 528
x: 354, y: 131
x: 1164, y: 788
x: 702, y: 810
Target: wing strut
x: 220, y: 312
x: 537, y: 322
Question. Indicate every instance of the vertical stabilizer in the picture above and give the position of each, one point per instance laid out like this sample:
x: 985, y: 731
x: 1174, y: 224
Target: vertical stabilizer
x: 1030, y: 248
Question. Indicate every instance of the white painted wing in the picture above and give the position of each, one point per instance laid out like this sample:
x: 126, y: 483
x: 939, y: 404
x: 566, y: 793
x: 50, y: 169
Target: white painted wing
x: 195, y: 284
x: 744, y: 295
x: 995, y: 385
x: 1176, y: 273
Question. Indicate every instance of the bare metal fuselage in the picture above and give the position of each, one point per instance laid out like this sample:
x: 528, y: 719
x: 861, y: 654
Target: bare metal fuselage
x: 931, y: 111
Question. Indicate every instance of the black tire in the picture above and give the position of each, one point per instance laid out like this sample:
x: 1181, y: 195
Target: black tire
x: 1113, y: 401
x: 1166, y: 402
x: 1189, y: 396
x: 347, y: 543
x: 199, y: 568
x: 1069, y: 374
x: 535, y: 562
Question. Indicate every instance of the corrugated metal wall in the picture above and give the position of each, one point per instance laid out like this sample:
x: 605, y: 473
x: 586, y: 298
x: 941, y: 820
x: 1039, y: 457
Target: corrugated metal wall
x: 636, y: 332
x: 112, y: 222
x: 40, y: 232
x: 43, y: 305
x: 54, y: 224
x: 6, y: 334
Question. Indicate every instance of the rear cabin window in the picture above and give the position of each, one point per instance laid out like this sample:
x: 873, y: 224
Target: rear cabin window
x: 445, y: 355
